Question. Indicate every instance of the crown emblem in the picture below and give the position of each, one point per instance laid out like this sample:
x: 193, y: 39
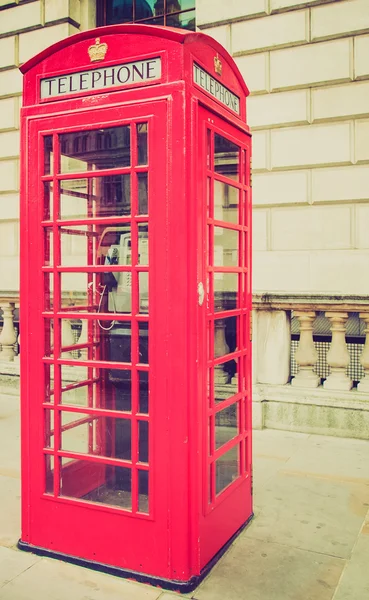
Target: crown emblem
x: 97, y: 51
x: 218, y: 65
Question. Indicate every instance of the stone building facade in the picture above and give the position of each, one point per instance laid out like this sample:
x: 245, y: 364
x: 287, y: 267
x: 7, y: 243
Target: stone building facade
x: 306, y: 64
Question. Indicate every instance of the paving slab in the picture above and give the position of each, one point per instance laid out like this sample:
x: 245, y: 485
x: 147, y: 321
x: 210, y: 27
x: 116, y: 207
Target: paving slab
x: 331, y: 458
x: 50, y: 579
x: 13, y: 563
x: 310, y: 513
x: 257, y: 570
x: 10, y: 508
x: 354, y: 584
x: 277, y: 444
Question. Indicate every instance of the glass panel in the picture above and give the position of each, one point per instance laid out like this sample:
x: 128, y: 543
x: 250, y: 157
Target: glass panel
x: 95, y: 149
x: 227, y: 468
x: 226, y: 425
x: 224, y: 381
x: 48, y: 291
x: 143, y: 444
x: 142, y: 143
x: 226, y: 200
x: 143, y: 332
x: 225, y: 247
x: 143, y: 398
x: 48, y: 200
x: 97, y: 482
x: 49, y: 337
x: 225, y: 336
x: 106, y: 388
x: 143, y: 244
x: 96, y: 197
x: 119, y: 11
x: 48, y: 247
x: 143, y: 202
x: 143, y: 286
x: 117, y: 346
x: 48, y: 155
x: 186, y: 4
x: 226, y: 157
x: 186, y: 21
x: 143, y: 491
x: 89, y: 245
x: 49, y: 474
x: 101, y: 436
x: 49, y: 428
x: 225, y: 291
x: 73, y: 289
x: 49, y: 382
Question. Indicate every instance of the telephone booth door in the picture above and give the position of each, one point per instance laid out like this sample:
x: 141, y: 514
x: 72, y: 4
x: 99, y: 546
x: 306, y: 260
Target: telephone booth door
x: 92, y: 196
x: 226, y: 249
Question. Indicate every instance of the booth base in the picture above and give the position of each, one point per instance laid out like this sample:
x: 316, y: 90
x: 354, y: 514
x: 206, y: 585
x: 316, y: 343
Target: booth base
x: 184, y: 587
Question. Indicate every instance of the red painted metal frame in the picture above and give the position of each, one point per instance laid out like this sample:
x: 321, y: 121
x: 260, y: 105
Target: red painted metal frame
x: 182, y: 533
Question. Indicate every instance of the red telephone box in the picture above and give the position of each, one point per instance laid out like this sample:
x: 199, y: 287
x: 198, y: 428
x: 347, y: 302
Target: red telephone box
x: 135, y: 303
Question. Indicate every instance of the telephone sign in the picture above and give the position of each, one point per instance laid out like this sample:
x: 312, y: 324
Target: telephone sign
x: 135, y: 303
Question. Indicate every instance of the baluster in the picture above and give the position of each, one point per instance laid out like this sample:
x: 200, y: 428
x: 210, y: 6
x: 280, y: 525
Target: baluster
x: 338, y: 357
x: 8, y: 336
x: 363, y: 386
x: 306, y: 355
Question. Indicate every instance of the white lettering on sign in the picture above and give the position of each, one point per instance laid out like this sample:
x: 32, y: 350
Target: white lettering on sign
x: 216, y: 89
x: 104, y: 77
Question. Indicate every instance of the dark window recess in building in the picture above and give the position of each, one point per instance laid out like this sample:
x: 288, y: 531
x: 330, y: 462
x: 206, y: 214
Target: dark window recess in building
x: 172, y: 13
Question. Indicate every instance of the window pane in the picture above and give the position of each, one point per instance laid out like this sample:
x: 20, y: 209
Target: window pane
x: 227, y: 468
x: 223, y: 391
x: 119, y: 11
x: 142, y: 143
x: 143, y: 203
x: 143, y: 436
x: 49, y: 474
x: 97, y: 482
x: 143, y: 491
x: 100, y: 436
x: 226, y: 201
x: 225, y: 336
x: 48, y: 155
x: 225, y: 291
x: 96, y: 197
x: 143, y: 9
x: 225, y: 247
x: 226, y: 425
x: 186, y: 21
x: 96, y: 149
x: 226, y: 157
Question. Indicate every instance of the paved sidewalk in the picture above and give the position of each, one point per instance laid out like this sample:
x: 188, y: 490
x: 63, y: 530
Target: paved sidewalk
x: 309, y: 539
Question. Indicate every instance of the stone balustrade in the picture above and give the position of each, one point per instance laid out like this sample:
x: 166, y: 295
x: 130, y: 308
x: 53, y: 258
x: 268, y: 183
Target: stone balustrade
x: 300, y: 399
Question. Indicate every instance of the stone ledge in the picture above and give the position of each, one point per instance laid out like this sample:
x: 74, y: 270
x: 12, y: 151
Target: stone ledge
x: 317, y: 411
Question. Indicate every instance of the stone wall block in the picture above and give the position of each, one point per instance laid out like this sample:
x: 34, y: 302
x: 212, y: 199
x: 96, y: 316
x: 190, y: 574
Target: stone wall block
x: 20, y: 17
x: 313, y: 145
x: 311, y: 64
x: 340, y: 184
x: 224, y: 11
x: 342, y: 101
x: 278, y: 30
x: 281, y: 108
x: 339, y: 18
x: 255, y: 71
x: 361, y: 56
x: 287, y: 187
